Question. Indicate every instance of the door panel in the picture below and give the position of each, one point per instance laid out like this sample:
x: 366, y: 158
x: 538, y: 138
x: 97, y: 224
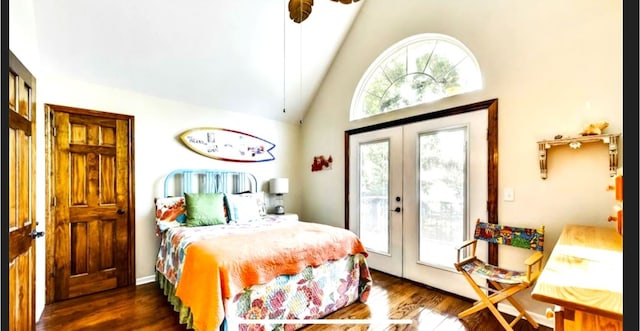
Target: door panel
x: 21, y: 222
x: 376, y: 187
x: 93, y: 248
x: 446, y: 187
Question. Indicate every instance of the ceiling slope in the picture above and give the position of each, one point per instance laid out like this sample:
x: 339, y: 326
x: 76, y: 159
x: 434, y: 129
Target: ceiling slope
x: 243, y: 56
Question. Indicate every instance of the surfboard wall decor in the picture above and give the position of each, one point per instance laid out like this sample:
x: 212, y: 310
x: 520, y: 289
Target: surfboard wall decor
x: 228, y: 145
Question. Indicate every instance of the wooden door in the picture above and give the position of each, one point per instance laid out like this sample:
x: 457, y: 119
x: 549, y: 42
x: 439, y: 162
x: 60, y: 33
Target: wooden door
x: 92, y: 242
x: 22, y: 196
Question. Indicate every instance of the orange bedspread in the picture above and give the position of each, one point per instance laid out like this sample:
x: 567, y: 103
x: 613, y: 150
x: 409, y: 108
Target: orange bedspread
x: 216, y: 269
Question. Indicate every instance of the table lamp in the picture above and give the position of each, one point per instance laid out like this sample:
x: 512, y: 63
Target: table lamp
x: 279, y: 186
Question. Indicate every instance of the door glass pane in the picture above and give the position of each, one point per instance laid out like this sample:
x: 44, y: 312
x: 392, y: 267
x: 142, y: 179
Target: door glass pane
x: 442, y: 173
x: 374, y: 196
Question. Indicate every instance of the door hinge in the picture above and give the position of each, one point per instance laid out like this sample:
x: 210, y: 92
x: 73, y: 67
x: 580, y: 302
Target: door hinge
x: 52, y: 123
x: 53, y: 202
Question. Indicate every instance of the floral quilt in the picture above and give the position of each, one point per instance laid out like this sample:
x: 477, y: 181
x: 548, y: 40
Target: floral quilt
x: 312, y: 293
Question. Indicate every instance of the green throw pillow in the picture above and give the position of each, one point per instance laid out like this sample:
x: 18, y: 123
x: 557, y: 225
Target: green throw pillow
x: 205, y: 209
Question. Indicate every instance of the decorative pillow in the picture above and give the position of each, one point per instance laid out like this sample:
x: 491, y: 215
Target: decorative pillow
x: 246, y: 207
x: 260, y: 201
x: 170, y: 209
x: 205, y: 209
x: 170, y: 212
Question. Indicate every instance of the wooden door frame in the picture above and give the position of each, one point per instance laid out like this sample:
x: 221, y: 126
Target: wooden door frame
x: 49, y: 109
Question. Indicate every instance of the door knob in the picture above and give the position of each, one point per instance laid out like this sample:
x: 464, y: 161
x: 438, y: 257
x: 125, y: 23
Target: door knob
x: 397, y: 210
x: 36, y: 234
x: 120, y: 211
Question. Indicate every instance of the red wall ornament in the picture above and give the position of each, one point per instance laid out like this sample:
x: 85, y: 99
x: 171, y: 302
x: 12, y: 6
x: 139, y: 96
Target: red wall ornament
x: 320, y: 163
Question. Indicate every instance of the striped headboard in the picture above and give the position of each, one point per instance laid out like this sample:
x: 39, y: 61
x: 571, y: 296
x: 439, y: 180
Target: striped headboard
x: 181, y: 181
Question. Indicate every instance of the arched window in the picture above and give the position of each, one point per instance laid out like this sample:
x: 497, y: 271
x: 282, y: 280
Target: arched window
x: 418, y: 69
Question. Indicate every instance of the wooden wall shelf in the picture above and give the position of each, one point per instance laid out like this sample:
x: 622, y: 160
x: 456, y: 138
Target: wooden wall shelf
x: 610, y: 139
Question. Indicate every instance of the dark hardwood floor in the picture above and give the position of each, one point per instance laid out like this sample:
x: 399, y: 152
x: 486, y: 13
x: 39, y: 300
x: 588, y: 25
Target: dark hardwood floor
x: 144, y: 307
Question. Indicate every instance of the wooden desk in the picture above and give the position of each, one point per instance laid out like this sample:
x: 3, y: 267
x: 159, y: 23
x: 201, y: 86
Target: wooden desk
x: 583, y: 278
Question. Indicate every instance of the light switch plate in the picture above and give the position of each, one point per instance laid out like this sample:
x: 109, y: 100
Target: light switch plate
x: 508, y: 194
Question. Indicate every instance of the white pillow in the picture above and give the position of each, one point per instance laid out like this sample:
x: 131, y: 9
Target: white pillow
x: 246, y: 207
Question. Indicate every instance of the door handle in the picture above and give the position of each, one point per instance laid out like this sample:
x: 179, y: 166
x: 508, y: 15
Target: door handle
x: 120, y: 211
x: 36, y: 234
x: 397, y: 209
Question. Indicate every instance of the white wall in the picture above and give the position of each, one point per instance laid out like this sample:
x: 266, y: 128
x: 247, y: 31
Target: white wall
x: 158, y: 149
x: 544, y: 60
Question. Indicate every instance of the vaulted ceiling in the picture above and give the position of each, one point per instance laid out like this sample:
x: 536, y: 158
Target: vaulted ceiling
x: 238, y: 55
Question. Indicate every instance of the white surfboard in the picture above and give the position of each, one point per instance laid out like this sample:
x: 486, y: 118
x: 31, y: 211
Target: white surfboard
x: 227, y: 145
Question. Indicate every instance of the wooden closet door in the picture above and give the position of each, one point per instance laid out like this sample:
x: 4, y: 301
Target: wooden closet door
x: 94, y: 233
x: 21, y: 221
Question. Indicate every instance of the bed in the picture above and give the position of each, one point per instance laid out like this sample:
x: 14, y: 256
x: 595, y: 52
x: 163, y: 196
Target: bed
x: 236, y: 267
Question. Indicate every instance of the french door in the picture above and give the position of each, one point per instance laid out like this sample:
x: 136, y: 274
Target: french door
x: 375, y: 187
x: 414, y: 190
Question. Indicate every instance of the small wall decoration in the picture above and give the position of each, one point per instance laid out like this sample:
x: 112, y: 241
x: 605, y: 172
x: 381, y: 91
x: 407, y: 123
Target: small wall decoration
x: 320, y: 163
x: 228, y: 145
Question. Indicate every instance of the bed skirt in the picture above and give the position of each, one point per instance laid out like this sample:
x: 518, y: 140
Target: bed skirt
x: 311, y: 294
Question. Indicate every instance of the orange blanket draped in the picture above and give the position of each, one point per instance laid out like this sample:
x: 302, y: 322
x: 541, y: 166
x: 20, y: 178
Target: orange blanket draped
x: 215, y: 269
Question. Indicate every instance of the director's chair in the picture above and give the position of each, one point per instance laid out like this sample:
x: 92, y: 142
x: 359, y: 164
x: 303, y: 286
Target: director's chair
x: 506, y: 282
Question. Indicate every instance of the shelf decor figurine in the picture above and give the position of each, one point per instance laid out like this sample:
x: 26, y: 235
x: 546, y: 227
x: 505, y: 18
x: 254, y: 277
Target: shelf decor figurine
x: 594, y: 129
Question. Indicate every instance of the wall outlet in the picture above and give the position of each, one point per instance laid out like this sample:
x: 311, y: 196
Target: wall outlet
x: 508, y: 194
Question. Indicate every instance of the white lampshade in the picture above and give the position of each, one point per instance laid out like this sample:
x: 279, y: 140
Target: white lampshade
x: 279, y: 185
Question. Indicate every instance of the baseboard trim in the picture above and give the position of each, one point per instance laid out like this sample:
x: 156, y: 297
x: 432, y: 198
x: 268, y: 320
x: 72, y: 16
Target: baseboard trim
x: 540, y: 319
x: 145, y: 280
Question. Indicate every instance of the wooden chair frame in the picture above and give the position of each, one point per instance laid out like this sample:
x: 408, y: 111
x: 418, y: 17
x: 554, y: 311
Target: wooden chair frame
x: 506, y: 283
